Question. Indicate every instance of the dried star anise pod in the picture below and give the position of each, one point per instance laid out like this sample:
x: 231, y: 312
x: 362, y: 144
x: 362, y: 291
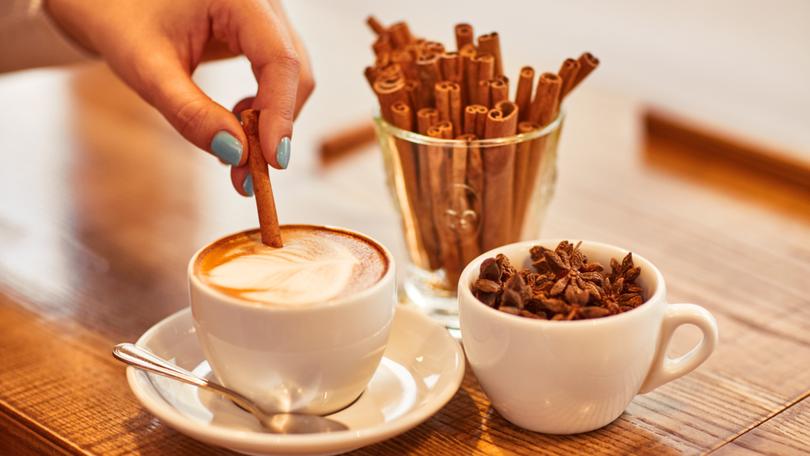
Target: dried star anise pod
x: 561, y: 285
x: 571, y: 281
x: 626, y: 270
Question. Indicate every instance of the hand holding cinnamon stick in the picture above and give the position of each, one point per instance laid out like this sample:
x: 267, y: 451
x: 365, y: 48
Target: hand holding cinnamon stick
x: 265, y: 202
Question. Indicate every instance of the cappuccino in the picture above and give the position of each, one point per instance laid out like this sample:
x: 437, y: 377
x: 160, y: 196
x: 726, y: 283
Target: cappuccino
x: 315, y: 266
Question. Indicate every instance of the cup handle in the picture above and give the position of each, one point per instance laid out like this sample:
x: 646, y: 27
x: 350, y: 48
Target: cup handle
x: 665, y: 369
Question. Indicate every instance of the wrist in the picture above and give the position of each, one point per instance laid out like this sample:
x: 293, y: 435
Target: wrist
x: 71, y: 17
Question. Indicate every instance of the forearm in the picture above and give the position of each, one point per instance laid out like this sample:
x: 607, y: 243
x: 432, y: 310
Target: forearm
x: 30, y: 38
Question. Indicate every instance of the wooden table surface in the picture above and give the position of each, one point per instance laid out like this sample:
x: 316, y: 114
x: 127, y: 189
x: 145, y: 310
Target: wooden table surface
x: 103, y: 204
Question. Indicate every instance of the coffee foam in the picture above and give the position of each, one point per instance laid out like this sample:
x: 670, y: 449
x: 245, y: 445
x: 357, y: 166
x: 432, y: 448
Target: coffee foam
x: 316, y: 265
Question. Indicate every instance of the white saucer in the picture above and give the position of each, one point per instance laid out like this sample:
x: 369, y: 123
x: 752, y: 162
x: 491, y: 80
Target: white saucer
x: 421, y: 370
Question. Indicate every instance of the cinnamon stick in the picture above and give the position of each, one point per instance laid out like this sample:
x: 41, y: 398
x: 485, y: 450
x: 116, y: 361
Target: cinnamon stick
x: 407, y: 184
x: 546, y: 99
x: 498, y: 91
x: 469, y: 72
x: 523, y: 96
x: 425, y: 119
x: 382, y: 46
x: 450, y: 64
x: 482, y: 93
x: 434, y: 47
x: 467, y: 212
x: 486, y: 67
x: 523, y: 176
x: 390, y: 90
x: 568, y: 73
x: 464, y: 35
x: 405, y: 61
x: 412, y: 93
x: 469, y: 120
x: 443, y: 100
x: 400, y: 34
x: 491, y: 44
x: 587, y: 63
x: 480, y: 119
x: 440, y: 169
x: 375, y: 25
x: 455, y: 106
x: 343, y: 142
x: 429, y: 74
x: 499, y: 165
x: 265, y: 202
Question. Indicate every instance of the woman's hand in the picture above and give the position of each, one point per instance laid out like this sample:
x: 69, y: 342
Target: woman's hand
x: 155, y: 45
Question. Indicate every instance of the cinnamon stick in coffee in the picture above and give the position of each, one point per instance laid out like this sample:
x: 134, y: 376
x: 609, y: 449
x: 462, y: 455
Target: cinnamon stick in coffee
x: 499, y: 165
x: 464, y: 35
x: 265, y: 202
x: 523, y: 97
x: 491, y: 44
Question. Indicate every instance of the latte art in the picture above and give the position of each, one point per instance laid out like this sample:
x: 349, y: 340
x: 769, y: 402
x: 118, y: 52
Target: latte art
x: 315, y: 266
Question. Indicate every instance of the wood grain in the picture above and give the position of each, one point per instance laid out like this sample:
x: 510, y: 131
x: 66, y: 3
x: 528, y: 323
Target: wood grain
x: 107, y: 204
x: 787, y: 433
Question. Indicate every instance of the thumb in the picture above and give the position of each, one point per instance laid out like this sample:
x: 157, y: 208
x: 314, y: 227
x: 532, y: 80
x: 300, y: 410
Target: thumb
x: 202, y: 121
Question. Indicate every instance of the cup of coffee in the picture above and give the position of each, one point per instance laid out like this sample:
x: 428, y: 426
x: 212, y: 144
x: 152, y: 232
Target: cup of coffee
x: 565, y: 377
x: 300, y: 328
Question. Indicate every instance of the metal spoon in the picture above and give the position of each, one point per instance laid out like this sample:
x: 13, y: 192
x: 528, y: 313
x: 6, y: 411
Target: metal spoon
x: 276, y: 423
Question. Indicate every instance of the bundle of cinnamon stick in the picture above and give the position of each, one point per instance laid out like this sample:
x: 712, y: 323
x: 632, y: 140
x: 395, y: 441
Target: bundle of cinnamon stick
x: 460, y: 198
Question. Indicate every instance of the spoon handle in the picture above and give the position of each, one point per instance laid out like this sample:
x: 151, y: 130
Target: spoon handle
x: 142, y: 358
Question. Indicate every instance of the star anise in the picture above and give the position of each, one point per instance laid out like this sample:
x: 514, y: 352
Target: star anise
x: 574, y: 278
x: 561, y: 285
x: 615, y: 300
x: 626, y: 270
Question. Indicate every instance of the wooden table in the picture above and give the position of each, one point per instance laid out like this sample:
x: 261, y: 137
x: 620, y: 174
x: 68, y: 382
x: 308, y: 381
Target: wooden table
x: 103, y: 204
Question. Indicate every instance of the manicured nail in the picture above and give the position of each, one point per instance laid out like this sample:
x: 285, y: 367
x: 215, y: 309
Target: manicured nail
x: 283, y: 152
x: 247, y: 185
x: 227, y: 148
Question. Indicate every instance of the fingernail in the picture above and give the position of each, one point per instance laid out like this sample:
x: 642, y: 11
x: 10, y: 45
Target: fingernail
x: 227, y: 148
x: 283, y: 152
x: 247, y: 185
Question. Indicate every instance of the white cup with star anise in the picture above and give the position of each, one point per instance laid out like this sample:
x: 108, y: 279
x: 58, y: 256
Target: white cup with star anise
x: 562, y: 336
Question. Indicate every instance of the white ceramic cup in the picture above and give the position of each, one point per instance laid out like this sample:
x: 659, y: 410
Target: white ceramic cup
x: 312, y: 359
x: 565, y: 377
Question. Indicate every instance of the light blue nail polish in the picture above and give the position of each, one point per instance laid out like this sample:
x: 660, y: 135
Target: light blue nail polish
x: 283, y: 152
x: 227, y: 148
x: 247, y: 185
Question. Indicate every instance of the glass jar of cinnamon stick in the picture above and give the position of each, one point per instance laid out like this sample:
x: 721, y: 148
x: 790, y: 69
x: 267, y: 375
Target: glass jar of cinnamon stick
x: 459, y: 197
x: 469, y: 167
